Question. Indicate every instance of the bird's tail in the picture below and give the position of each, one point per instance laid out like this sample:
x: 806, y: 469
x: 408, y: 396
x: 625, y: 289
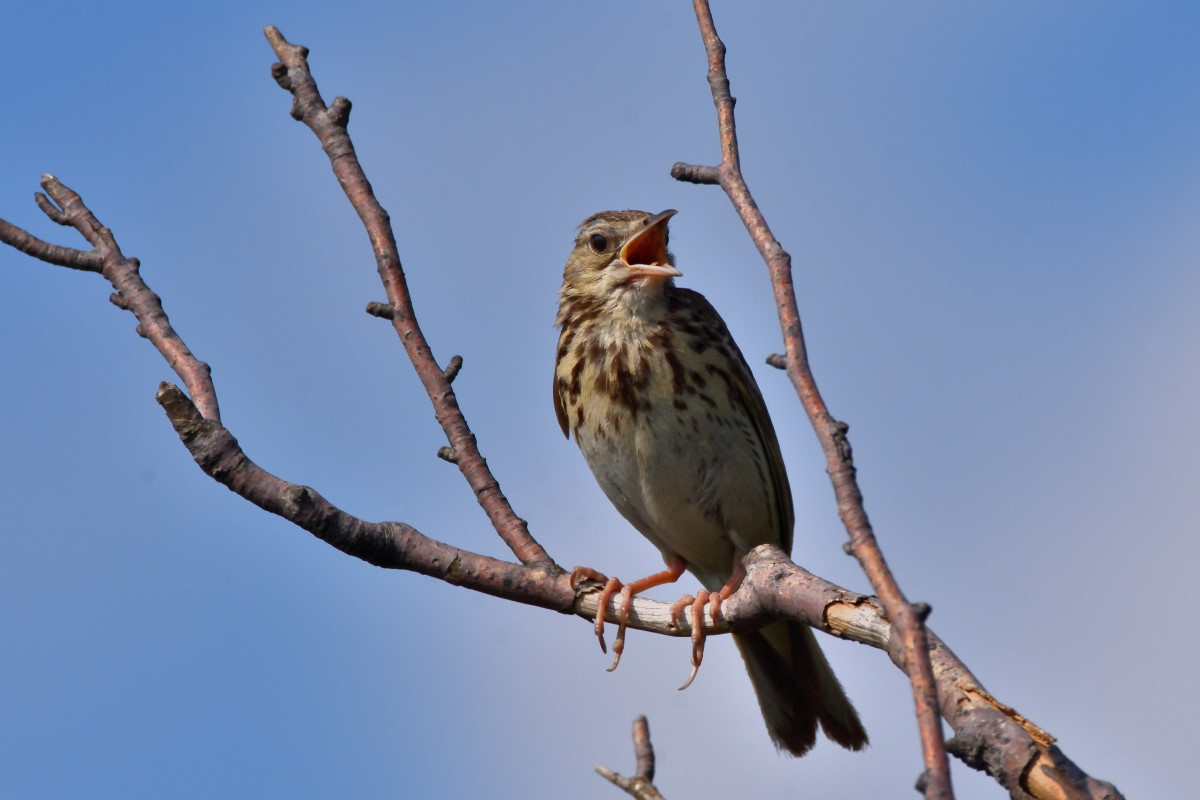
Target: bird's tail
x: 796, y: 689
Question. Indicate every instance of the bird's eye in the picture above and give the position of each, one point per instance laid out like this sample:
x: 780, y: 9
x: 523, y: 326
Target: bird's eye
x: 598, y: 242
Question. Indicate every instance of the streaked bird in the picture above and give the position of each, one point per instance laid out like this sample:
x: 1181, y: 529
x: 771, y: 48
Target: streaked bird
x: 673, y: 426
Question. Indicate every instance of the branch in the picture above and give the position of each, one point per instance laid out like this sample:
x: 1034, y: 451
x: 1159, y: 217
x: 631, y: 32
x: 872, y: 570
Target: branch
x: 392, y: 545
x: 1027, y: 765
x: 988, y: 735
x: 935, y: 780
x: 85, y: 260
x: 329, y: 124
x: 641, y: 785
x: 123, y: 273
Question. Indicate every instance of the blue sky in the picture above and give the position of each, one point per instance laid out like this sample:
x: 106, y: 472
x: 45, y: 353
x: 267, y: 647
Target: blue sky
x: 992, y: 214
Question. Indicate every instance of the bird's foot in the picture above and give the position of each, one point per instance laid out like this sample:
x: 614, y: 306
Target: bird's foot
x: 713, y: 600
x: 626, y: 605
x: 698, y: 602
x: 581, y: 575
x: 677, y: 609
x: 675, y: 568
x: 611, y: 585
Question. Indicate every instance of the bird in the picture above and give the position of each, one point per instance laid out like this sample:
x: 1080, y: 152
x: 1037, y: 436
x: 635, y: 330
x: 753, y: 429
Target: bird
x: 673, y: 426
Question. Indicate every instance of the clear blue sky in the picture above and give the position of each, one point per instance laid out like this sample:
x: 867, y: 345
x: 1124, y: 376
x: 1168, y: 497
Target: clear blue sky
x: 992, y: 211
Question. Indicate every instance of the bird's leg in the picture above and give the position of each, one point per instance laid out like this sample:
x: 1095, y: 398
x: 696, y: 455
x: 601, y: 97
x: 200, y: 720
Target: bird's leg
x: 675, y: 568
x: 713, y: 601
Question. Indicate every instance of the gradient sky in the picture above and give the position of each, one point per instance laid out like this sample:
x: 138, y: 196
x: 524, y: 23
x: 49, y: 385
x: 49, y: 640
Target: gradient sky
x: 992, y: 211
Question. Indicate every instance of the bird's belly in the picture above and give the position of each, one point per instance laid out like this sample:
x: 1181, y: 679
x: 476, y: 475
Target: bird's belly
x: 700, y: 498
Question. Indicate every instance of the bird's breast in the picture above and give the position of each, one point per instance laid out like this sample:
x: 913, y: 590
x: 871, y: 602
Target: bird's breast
x: 658, y: 429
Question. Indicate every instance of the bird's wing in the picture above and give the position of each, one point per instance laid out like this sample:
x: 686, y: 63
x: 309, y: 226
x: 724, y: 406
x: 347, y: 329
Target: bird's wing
x: 560, y: 412
x: 756, y: 410
x: 744, y: 390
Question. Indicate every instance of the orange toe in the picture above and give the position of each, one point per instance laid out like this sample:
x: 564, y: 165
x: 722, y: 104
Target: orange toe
x: 610, y: 588
x: 698, y: 636
x: 625, y: 606
x: 678, y: 607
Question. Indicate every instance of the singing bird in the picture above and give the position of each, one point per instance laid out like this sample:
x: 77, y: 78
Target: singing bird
x: 674, y: 428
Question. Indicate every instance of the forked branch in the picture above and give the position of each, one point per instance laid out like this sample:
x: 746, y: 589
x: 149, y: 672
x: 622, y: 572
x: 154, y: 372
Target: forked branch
x: 641, y: 785
x: 329, y: 124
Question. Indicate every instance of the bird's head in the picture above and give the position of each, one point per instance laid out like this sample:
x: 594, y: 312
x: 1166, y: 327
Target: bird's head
x: 617, y: 250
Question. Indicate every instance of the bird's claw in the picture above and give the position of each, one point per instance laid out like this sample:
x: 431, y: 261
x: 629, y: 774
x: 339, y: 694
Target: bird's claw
x: 675, y: 567
x: 698, y: 636
x: 618, y: 646
x: 626, y: 604
x: 581, y: 575
x: 692, y: 677
x: 606, y: 594
x: 610, y: 588
x: 713, y: 601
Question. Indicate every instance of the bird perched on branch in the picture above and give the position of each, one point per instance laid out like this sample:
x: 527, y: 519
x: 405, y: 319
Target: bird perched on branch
x: 674, y: 428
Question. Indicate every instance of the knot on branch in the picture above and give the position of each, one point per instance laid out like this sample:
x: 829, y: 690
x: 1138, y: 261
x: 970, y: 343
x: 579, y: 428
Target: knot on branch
x: 304, y: 503
x: 838, y: 431
x: 339, y: 112
x: 280, y: 73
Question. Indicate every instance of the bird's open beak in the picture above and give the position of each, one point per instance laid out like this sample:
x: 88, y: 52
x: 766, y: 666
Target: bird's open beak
x: 646, y: 251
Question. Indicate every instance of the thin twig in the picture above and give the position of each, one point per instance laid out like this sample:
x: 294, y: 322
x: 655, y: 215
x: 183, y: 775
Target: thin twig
x: 453, y: 368
x: 641, y: 785
x: 329, y: 125
x: 831, y: 433
x: 66, y: 208
x: 85, y: 260
x: 381, y: 310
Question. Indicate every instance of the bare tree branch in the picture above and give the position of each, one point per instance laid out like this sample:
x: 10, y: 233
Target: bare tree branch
x: 988, y: 735
x: 329, y: 125
x: 85, y: 260
x: 393, y: 545
x: 133, y: 294
x: 641, y: 785
x: 935, y: 781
